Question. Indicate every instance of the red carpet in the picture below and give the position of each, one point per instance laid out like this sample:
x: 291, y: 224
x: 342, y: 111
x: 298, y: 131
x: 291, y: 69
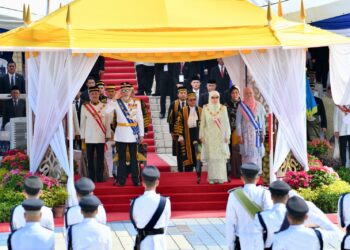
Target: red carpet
x: 155, y: 160
x: 184, y: 192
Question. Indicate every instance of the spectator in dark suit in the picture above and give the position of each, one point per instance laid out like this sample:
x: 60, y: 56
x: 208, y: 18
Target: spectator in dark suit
x: 96, y: 72
x: 220, y: 75
x: 169, y: 81
x: 90, y: 82
x: 13, y: 107
x: 145, y: 76
x: 78, y: 102
x: 196, y: 88
x: 204, y: 98
x: 207, y: 65
x: 189, y: 70
x: 11, y: 79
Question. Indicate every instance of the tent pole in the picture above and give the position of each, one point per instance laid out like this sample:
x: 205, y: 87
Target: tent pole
x: 70, y: 140
x: 271, y: 134
x: 28, y: 112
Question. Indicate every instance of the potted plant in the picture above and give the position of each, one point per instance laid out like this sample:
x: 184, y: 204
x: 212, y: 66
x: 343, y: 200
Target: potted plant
x: 56, y: 198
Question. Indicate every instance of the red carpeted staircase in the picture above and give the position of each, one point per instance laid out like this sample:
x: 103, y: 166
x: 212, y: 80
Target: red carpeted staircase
x: 185, y: 194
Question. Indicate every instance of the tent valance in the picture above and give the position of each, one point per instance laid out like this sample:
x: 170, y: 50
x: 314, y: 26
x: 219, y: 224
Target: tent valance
x: 164, y: 30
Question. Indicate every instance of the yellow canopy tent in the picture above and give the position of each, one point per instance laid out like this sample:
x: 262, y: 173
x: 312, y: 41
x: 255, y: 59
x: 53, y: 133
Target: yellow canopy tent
x: 163, y: 30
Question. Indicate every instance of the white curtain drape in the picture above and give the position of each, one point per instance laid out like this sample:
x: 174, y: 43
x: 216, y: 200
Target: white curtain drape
x: 339, y: 59
x: 54, y: 78
x: 236, y: 69
x: 280, y: 77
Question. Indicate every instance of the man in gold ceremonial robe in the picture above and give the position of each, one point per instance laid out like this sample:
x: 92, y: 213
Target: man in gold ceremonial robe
x: 187, y: 129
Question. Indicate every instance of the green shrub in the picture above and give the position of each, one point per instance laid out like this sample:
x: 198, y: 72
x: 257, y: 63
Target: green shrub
x: 9, y: 199
x: 326, y: 197
x: 54, y: 197
x: 320, y: 178
x: 344, y: 173
x: 3, y: 172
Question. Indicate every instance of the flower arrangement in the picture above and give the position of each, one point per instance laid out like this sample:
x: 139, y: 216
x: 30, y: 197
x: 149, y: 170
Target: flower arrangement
x: 321, y: 176
x: 318, y: 147
x: 314, y: 161
x: 14, y: 152
x: 296, y: 180
x: 18, y: 160
x: 14, y: 180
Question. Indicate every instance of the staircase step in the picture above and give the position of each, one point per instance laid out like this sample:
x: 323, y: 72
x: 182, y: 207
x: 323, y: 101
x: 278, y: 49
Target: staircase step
x: 182, y: 197
x: 151, y: 149
x: 149, y: 142
x: 117, y: 69
x: 114, y: 63
x: 114, y: 75
x: 117, y: 82
x: 149, y: 135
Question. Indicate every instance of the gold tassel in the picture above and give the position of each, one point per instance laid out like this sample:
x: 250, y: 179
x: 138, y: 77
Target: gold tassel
x: 24, y: 13
x: 68, y: 18
x: 28, y: 16
x: 269, y: 16
x: 280, y: 11
x: 302, y: 12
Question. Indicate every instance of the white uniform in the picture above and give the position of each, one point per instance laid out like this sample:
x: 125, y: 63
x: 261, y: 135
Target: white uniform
x: 109, y: 152
x: 33, y: 237
x: 125, y: 133
x: 17, y: 219
x: 238, y: 221
x: 90, y: 235
x: 346, y: 210
x: 273, y: 220
x: 150, y: 200
x: 339, y: 125
x: 300, y: 237
x: 89, y: 128
x: 346, y: 217
x: 73, y: 215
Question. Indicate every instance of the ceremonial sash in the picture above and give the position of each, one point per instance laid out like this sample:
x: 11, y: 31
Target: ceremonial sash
x: 135, y: 129
x: 256, y: 124
x: 250, y: 207
x: 96, y: 116
x: 89, y: 107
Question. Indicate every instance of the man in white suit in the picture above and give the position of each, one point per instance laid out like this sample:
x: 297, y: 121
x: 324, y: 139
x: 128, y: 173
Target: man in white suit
x: 129, y: 132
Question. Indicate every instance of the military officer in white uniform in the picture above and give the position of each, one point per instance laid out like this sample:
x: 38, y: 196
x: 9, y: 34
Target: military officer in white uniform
x: 84, y: 187
x: 89, y: 234
x: 32, y: 190
x: 239, y: 218
x: 33, y: 236
x: 95, y: 132
x: 270, y: 221
x: 150, y: 213
x: 110, y: 91
x: 298, y: 236
x: 344, y: 218
x: 128, y: 133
